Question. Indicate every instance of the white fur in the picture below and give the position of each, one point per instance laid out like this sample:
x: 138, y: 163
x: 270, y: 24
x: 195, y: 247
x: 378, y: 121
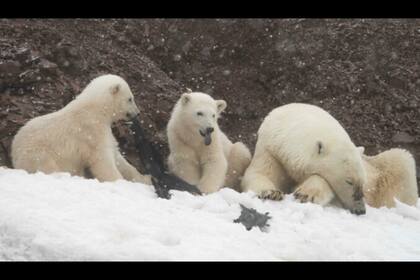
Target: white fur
x: 390, y: 175
x: 209, y: 167
x: 315, y: 189
x: 297, y: 141
x: 79, y: 135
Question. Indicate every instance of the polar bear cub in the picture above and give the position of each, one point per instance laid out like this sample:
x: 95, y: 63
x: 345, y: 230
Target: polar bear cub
x: 79, y: 135
x: 200, y: 153
x: 390, y: 175
x: 298, y: 142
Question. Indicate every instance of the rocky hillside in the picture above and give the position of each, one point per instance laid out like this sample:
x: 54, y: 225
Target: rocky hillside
x: 364, y: 72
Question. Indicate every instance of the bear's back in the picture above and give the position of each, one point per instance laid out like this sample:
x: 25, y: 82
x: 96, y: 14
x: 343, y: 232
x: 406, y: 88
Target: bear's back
x: 294, y: 129
x: 36, y: 126
x: 302, y: 121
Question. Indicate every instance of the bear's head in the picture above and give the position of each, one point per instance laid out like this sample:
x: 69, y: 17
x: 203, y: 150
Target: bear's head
x: 199, y: 112
x: 124, y: 106
x: 340, y: 163
x: 112, y: 96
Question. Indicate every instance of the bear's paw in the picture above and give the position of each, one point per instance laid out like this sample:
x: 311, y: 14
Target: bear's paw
x: 272, y: 195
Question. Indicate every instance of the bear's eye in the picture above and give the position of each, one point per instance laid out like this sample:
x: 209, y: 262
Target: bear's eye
x: 214, y: 116
x: 199, y: 113
x: 349, y: 182
x: 130, y: 99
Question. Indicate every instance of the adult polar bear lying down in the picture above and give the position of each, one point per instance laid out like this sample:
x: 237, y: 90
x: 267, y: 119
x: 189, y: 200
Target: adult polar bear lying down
x: 79, y: 135
x: 297, y: 142
x: 200, y: 153
x: 390, y: 175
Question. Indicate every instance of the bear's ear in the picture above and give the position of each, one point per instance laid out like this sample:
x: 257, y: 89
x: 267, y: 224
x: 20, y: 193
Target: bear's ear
x: 221, y: 105
x: 361, y: 150
x: 185, y: 98
x: 115, y: 89
x: 320, y: 148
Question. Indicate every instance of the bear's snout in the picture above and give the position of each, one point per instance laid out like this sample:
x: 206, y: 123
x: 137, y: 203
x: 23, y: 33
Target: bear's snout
x: 131, y: 115
x: 207, y: 131
x: 358, y: 193
x: 358, y: 212
x: 359, y: 205
x: 206, y: 134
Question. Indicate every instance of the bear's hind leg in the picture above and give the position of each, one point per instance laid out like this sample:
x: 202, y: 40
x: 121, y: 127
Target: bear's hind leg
x: 49, y: 166
x: 129, y: 172
x: 314, y: 189
x: 42, y: 162
x: 185, y: 165
x: 104, y: 168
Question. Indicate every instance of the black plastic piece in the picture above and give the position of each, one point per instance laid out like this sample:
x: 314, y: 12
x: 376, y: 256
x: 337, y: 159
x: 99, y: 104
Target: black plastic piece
x: 251, y: 218
x: 162, y: 180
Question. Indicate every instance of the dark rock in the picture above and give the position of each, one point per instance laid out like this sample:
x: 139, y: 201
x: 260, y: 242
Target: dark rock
x: 22, y: 54
x: 9, y: 67
x: 33, y: 58
x: 403, y: 138
x: 186, y: 47
x: 72, y: 51
x: 388, y: 109
x: 412, y: 104
x: 29, y: 76
x: 47, y: 66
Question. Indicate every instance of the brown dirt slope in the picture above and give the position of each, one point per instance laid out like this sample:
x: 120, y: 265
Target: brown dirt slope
x: 364, y: 72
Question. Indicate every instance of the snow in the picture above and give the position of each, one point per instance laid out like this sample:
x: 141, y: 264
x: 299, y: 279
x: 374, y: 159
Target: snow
x: 59, y: 217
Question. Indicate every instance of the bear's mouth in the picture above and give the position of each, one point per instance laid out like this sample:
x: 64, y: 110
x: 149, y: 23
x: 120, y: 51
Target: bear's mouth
x: 129, y: 118
x: 207, y: 137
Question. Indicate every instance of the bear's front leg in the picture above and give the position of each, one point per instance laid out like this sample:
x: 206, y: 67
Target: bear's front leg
x: 213, y: 175
x: 261, y: 185
x: 129, y: 172
x: 184, y: 163
x: 314, y: 189
x: 103, y: 166
x: 238, y: 159
x: 265, y: 177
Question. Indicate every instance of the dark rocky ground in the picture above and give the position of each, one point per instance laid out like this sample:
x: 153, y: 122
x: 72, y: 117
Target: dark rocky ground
x: 364, y: 72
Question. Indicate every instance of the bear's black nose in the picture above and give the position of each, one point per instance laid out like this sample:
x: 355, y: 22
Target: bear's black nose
x: 358, y: 211
x: 209, y: 129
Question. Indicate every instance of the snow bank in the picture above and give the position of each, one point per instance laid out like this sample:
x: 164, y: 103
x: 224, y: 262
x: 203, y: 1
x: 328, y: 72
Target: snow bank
x: 59, y: 217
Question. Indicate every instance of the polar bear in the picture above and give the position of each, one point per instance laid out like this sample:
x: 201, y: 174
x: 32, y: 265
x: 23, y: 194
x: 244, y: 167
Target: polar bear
x: 297, y: 142
x: 79, y: 136
x: 200, y: 153
x: 390, y: 174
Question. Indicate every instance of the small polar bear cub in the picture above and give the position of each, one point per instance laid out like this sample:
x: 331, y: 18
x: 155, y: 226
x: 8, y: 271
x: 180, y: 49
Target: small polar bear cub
x: 200, y: 153
x: 298, y: 142
x: 79, y: 135
x: 390, y: 175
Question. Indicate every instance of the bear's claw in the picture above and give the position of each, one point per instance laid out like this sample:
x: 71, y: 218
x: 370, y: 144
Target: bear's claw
x: 272, y: 195
x: 303, y: 197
